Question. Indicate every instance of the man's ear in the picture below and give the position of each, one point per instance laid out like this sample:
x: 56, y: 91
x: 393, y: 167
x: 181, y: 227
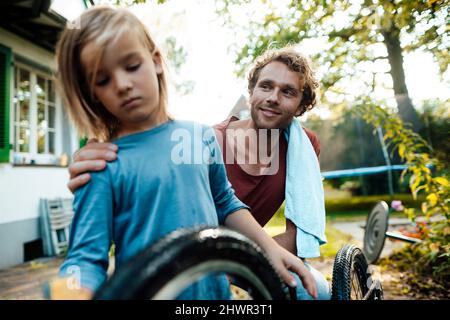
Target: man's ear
x: 157, y: 60
x: 298, y: 112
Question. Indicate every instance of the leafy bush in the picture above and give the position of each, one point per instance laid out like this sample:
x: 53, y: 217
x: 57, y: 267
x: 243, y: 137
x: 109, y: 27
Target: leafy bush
x: 423, y: 276
x: 432, y: 255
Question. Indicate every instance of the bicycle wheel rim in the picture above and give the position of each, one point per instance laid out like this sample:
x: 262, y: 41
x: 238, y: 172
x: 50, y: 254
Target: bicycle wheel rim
x: 174, y: 287
x: 150, y: 272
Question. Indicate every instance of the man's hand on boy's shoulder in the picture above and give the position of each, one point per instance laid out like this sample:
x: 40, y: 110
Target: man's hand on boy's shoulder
x: 92, y: 157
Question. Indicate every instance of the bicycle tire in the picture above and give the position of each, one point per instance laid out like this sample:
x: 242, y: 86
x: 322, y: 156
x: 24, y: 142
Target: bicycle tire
x: 348, y: 264
x: 153, y: 274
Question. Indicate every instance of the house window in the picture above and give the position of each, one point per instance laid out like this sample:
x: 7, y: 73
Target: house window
x: 22, y: 98
x: 46, y: 111
x: 35, y: 114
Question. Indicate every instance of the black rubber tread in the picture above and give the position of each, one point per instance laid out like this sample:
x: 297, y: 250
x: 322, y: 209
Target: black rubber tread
x: 149, y: 271
x: 348, y: 256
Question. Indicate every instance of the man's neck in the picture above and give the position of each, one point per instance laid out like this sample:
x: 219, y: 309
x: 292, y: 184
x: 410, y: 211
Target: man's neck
x: 249, y: 124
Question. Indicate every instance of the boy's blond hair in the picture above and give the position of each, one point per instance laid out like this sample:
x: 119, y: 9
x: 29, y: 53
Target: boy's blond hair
x: 295, y: 62
x: 102, y: 24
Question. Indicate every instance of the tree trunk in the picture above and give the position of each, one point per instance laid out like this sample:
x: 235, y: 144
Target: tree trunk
x: 405, y: 107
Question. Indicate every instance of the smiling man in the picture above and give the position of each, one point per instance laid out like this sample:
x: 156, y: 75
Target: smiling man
x: 282, y: 86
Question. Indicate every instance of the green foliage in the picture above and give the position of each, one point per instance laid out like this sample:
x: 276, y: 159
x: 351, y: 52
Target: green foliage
x: 348, y: 142
x: 350, y: 41
x: 423, y: 276
x: 436, y: 120
x: 177, y: 55
x: 362, y: 41
x: 434, y: 250
x: 123, y: 2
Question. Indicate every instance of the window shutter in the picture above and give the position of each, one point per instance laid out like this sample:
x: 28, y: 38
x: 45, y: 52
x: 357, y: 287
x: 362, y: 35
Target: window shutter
x: 5, y: 80
x: 83, y: 142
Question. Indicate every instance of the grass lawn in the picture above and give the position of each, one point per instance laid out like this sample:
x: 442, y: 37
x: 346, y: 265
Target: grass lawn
x: 278, y: 220
x: 355, y: 215
x: 336, y: 238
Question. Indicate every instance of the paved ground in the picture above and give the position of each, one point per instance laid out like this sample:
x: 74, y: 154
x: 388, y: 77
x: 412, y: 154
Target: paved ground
x: 354, y: 229
x: 25, y: 281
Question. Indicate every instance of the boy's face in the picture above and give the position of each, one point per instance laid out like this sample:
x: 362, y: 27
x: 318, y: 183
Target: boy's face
x: 275, y: 100
x: 126, y: 82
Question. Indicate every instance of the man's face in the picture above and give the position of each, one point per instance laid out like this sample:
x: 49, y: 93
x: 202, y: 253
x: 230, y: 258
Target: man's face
x: 275, y: 100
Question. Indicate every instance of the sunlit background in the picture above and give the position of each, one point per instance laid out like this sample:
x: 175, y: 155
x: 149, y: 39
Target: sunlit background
x: 209, y: 61
x: 367, y: 137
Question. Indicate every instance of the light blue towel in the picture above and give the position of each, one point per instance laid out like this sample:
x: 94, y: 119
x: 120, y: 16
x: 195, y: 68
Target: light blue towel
x: 304, y: 204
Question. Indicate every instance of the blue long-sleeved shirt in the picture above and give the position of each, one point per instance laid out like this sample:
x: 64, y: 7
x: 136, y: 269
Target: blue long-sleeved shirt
x: 166, y: 178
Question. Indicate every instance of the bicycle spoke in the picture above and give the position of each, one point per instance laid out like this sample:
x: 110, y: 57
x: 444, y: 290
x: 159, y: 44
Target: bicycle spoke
x: 355, y: 288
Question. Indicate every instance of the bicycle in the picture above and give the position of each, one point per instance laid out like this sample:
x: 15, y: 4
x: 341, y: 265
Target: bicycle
x: 181, y: 258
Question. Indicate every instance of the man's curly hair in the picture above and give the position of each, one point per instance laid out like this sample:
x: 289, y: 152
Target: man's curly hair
x: 294, y: 61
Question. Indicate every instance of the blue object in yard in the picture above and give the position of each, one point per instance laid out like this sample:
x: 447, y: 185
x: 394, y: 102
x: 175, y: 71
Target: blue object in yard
x: 361, y: 171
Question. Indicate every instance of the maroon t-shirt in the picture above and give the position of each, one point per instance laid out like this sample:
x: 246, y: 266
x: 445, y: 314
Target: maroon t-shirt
x: 264, y: 194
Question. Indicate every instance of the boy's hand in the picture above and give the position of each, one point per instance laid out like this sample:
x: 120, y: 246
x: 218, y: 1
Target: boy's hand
x: 60, y: 289
x: 92, y: 157
x: 284, y: 261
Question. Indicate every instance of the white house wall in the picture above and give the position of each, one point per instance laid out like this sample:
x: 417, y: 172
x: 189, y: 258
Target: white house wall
x: 22, y: 187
